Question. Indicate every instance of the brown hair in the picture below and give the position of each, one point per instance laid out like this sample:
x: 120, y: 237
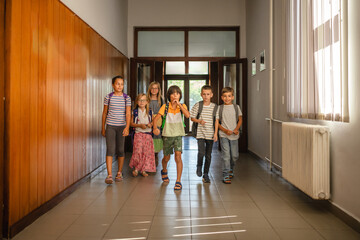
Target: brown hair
x: 148, y: 94
x: 226, y: 90
x: 206, y: 87
x: 171, y: 90
x: 137, y: 100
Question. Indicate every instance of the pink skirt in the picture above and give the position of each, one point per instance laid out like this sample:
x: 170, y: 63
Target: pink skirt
x: 143, y: 156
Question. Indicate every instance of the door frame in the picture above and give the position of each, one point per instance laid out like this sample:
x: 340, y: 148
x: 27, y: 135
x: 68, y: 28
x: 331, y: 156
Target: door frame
x: 243, y: 140
x: 186, y: 78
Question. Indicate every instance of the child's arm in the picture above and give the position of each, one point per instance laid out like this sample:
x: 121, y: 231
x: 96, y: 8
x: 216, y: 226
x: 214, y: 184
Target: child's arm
x: 128, y: 119
x: 156, y: 131
x: 184, y: 110
x: 216, y: 130
x: 135, y: 125
x: 236, y: 130
x: 202, y: 122
x: 104, y: 115
x: 227, y: 131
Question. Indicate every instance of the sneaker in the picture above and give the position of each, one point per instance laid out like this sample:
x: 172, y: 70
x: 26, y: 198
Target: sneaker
x: 206, y: 178
x: 198, y: 171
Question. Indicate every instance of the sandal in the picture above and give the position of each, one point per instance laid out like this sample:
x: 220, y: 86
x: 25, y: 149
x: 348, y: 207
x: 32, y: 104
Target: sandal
x: 144, y: 174
x: 108, y: 179
x: 178, y: 186
x: 119, y: 177
x: 164, y: 176
x: 227, y: 180
x: 135, y: 172
x: 231, y: 174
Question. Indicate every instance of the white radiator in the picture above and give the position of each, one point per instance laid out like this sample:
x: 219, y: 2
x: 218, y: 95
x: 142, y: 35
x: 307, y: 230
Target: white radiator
x: 306, y: 158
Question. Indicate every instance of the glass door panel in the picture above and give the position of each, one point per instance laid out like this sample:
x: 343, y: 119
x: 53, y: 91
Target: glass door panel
x: 143, y: 77
x: 195, y: 93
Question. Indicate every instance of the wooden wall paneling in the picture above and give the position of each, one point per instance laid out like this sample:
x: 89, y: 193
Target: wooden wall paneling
x: 24, y: 98
x: 71, y: 83
x: 85, y: 75
x: 61, y: 82
x: 2, y: 111
x: 77, y: 101
x: 34, y: 96
x: 89, y: 102
x: 12, y: 106
x: 54, y: 99
x: 42, y: 68
x: 66, y: 93
x: 49, y: 103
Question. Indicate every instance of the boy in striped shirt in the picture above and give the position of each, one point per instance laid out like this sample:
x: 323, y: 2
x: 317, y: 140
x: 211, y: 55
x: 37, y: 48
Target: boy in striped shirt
x: 203, y: 114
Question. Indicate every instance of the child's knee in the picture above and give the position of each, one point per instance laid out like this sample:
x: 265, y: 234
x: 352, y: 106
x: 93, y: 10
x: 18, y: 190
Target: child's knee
x: 177, y: 156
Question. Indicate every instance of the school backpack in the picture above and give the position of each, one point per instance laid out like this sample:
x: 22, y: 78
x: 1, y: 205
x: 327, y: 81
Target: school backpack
x: 164, y: 117
x: 195, y: 124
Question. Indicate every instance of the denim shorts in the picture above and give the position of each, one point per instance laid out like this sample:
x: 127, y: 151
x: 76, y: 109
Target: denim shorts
x: 172, y: 144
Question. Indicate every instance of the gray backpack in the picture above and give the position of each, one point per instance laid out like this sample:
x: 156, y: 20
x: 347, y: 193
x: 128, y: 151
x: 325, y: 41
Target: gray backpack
x: 195, y: 124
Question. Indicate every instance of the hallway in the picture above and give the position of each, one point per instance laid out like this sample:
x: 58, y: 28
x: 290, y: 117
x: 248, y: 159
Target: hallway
x: 257, y: 205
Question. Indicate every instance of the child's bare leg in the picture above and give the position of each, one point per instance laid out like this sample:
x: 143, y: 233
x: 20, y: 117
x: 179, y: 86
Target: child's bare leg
x: 164, y: 162
x: 109, y: 164
x: 120, y: 163
x: 179, y: 165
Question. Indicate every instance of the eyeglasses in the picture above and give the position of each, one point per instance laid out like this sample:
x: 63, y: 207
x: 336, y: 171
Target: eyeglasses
x: 154, y: 88
x: 142, y: 100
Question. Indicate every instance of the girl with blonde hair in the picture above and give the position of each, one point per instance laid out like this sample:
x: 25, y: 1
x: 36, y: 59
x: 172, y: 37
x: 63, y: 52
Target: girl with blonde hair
x: 155, y: 102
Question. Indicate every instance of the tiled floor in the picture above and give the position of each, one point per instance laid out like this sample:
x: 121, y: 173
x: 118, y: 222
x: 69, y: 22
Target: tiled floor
x: 257, y: 205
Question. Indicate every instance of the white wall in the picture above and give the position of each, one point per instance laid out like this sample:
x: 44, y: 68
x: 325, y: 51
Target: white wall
x: 108, y: 18
x: 143, y: 13
x: 345, y: 137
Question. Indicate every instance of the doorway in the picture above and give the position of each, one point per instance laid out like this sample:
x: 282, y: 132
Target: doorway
x: 191, y: 89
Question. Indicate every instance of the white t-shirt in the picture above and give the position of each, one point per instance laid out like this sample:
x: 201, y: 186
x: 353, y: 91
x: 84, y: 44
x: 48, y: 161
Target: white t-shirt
x: 142, y: 118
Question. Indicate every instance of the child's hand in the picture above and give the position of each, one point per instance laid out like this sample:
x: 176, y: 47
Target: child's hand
x: 149, y: 125
x: 125, y: 132
x: 202, y: 122
x: 228, y: 132
x: 236, y: 132
x: 156, y: 131
x: 143, y: 126
x: 177, y: 102
x: 103, y: 132
x: 215, y: 137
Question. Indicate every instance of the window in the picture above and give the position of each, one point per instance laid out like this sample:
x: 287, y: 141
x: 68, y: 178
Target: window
x: 317, y: 60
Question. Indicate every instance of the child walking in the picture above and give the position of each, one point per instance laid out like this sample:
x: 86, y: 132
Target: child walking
x: 116, y: 116
x: 204, y: 130
x: 143, y: 157
x: 155, y: 101
x: 173, y: 131
x: 229, y: 117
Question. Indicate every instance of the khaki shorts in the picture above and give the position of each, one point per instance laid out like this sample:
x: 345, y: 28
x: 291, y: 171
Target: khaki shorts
x: 172, y: 144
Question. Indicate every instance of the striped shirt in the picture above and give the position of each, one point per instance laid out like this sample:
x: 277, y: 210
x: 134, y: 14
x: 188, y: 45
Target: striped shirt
x: 117, y: 111
x: 206, y: 131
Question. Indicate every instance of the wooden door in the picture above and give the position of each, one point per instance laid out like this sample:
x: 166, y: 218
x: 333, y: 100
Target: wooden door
x: 233, y: 73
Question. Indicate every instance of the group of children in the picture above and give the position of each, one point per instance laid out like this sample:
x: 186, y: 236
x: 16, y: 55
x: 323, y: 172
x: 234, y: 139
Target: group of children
x: 158, y: 126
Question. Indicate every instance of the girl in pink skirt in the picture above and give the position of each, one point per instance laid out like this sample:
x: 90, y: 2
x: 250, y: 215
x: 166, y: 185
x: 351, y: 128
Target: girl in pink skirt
x: 143, y: 157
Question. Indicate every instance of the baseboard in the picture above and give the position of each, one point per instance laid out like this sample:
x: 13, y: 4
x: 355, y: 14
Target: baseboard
x: 35, y: 214
x: 330, y: 206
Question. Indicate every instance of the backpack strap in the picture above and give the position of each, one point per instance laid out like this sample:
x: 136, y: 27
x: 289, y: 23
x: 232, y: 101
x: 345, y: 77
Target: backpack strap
x: 214, y: 114
x: 236, y: 113
x: 135, y: 115
x: 220, y: 112
x: 164, y: 117
x: 201, y: 104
